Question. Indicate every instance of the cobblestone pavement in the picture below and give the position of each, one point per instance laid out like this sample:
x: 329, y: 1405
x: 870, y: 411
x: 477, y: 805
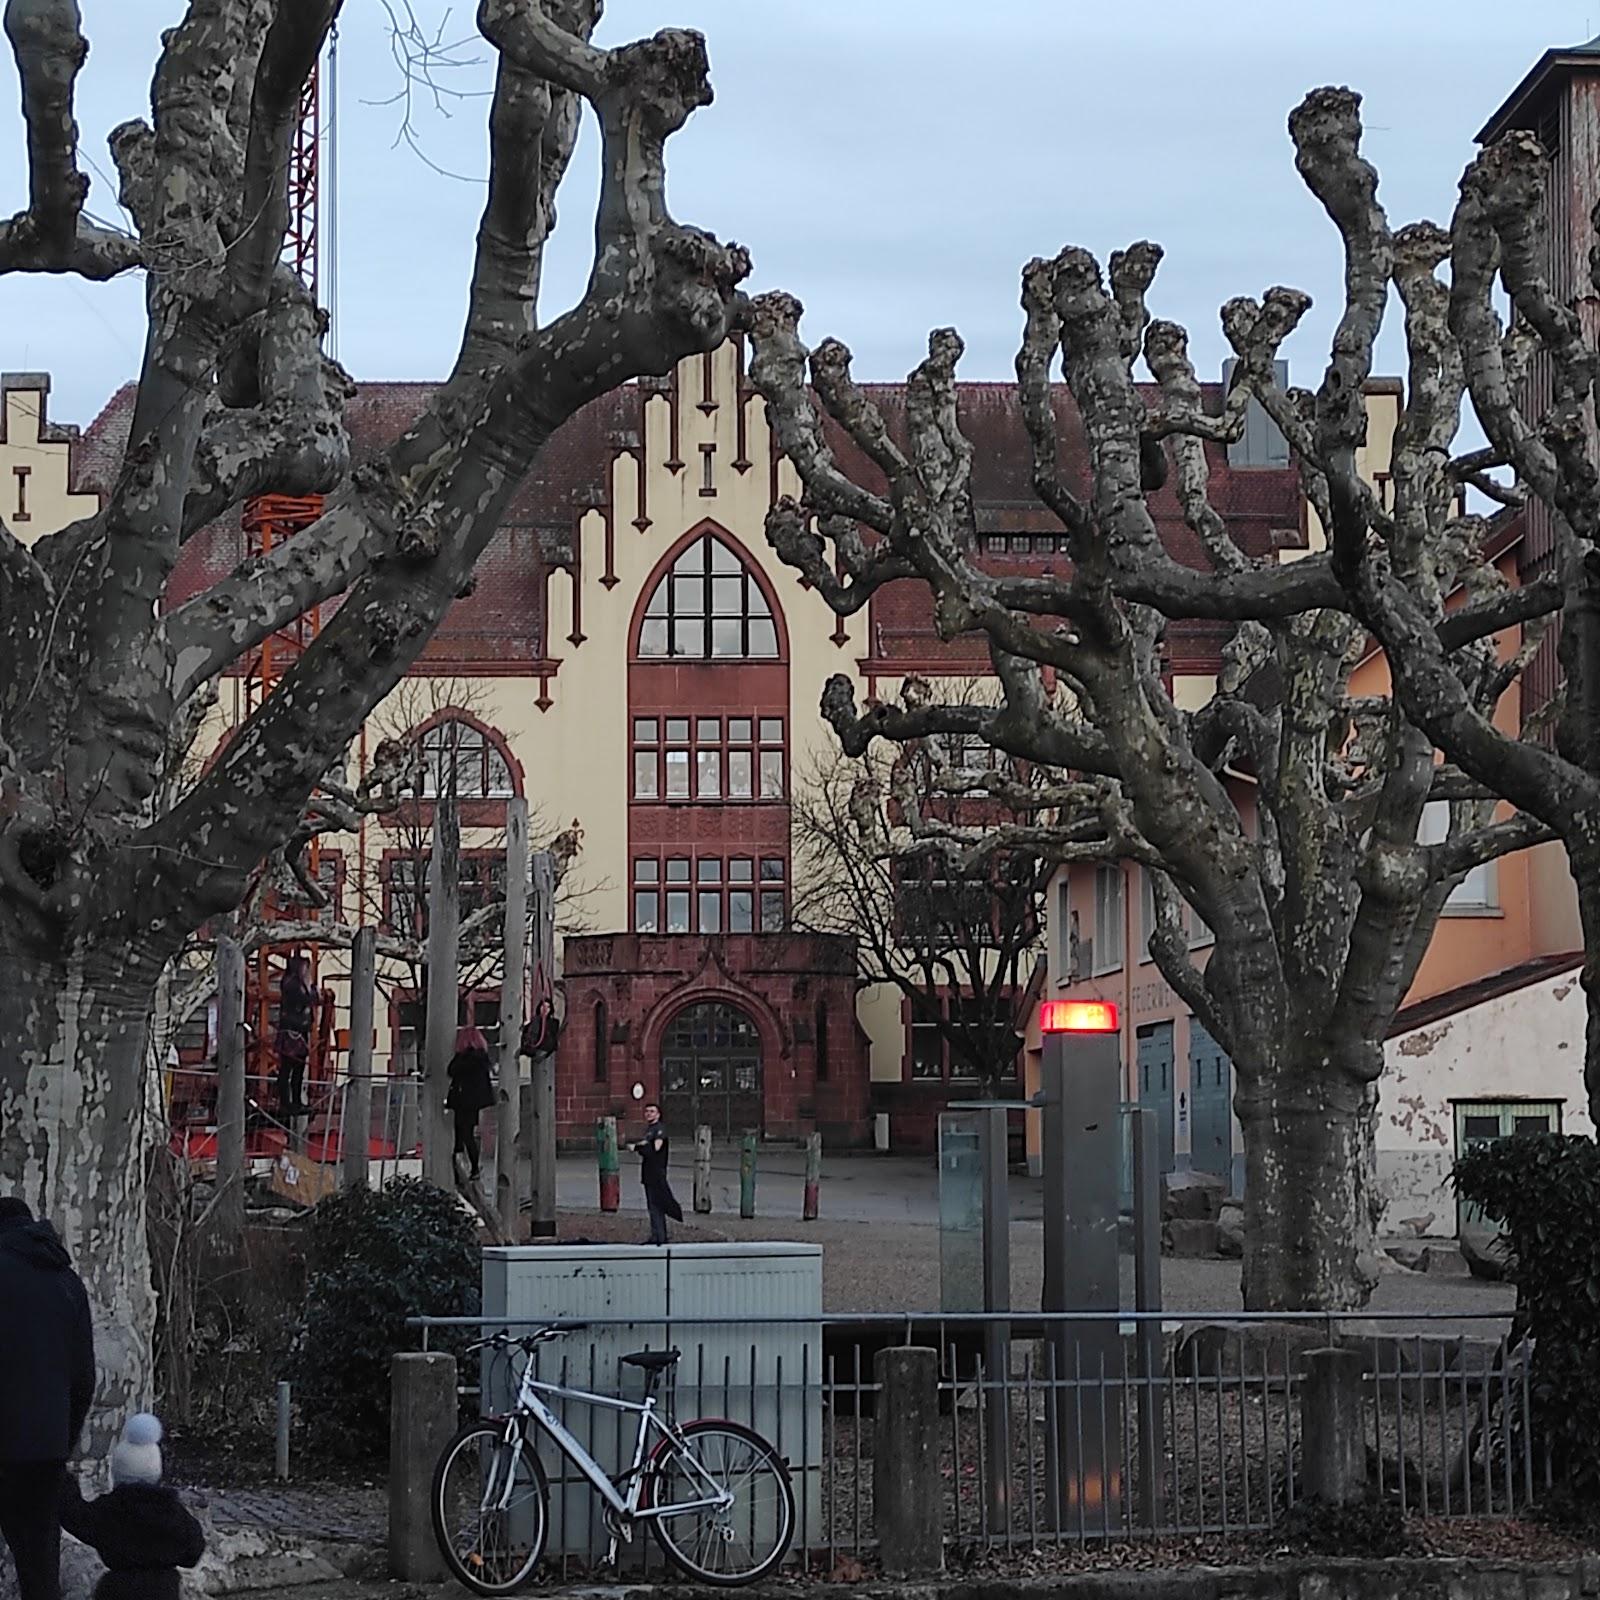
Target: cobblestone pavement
x: 331, y: 1512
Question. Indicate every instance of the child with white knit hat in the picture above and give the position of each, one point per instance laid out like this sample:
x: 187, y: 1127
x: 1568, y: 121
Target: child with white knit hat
x: 141, y: 1530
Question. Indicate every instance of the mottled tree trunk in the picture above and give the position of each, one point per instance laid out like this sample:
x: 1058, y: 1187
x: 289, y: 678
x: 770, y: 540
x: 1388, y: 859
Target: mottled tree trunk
x: 1587, y: 873
x: 74, y: 1138
x: 1309, y: 1190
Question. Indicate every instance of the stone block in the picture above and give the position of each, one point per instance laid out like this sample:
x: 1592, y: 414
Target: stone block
x: 1230, y: 1232
x: 1191, y: 1238
x: 422, y: 1420
x: 1252, y: 1350
x: 907, y: 1491
x: 1192, y: 1196
x: 1332, y: 1427
x: 1486, y: 1256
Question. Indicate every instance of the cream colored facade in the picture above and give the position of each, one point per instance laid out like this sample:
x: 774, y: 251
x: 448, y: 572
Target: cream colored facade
x: 36, y: 495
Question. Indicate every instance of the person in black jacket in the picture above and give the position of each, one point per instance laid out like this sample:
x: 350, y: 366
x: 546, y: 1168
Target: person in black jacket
x: 140, y: 1530
x: 652, y: 1151
x: 46, y: 1385
x: 296, y: 1007
x: 471, y: 1093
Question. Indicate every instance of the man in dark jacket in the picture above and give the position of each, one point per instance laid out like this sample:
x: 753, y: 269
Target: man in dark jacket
x: 46, y: 1384
x: 658, y: 1195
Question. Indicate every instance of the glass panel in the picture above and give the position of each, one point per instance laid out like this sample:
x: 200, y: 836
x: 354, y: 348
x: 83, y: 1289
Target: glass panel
x: 678, y: 869
x: 709, y: 869
x: 763, y: 637
x: 727, y: 638
x: 644, y: 730
x: 772, y: 774
x: 688, y: 596
x: 727, y: 596
x: 772, y: 911
x: 677, y: 730
x: 709, y: 779
x: 1480, y: 1127
x: 692, y: 561
x: 740, y: 869
x: 645, y: 911
x: 960, y: 1212
x: 646, y: 869
x: 644, y: 774
x: 740, y: 909
x: 678, y: 911
x: 688, y: 638
x: 710, y: 911
x: 1534, y: 1124
x: 772, y: 869
x: 772, y: 730
x: 658, y: 601
x: 739, y: 730
x: 653, y: 637
x: 677, y: 774
x: 722, y: 558
x: 707, y: 730
x: 739, y: 775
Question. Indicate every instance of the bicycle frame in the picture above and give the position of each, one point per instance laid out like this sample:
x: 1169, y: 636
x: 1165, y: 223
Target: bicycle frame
x: 530, y: 1406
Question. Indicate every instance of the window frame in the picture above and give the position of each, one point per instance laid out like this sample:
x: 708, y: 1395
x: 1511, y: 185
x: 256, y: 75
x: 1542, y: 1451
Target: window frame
x: 687, y: 596
x: 1433, y: 827
x: 740, y: 899
x: 1109, y: 919
x: 654, y: 753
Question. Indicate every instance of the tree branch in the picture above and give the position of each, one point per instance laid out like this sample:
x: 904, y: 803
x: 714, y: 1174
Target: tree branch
x: 47, y: 39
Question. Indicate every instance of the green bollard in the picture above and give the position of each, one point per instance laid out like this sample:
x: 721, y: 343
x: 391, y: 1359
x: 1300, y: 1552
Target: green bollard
x: 747, y: 1176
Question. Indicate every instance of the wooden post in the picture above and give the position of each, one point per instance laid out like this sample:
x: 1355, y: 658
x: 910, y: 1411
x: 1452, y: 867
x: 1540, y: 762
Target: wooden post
x: 702, y: 1170
x: 357, y: 1133
x: 542, y: 1140
x: 230, y: 1092
x: 508, y: 1110
x: 605, y: 1147
x: 444, y: 932
x: 808, y: 1209
x: 747, y: 1176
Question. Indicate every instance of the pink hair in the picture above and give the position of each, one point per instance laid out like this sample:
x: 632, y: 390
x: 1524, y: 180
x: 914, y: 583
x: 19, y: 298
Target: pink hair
x: 471, y: 1039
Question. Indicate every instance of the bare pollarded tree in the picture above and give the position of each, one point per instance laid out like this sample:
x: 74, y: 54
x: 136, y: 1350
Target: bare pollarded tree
x: 99, y: 882
x: 1323, y: 909
x: 1532, y: 390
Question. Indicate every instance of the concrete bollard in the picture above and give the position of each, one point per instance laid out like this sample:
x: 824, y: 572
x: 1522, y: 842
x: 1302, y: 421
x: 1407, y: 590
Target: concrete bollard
x: 1332, y: 1428
x: 808, y: 1205
x: 747, y: 1176
x: 907, y: 1497
x: 422, y: 1420
x: 605, y: 1147
x: 702, y: 1170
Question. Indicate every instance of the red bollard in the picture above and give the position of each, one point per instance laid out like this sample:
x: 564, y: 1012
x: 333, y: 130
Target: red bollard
x: 808, y: 1211
x: 605, y: 1144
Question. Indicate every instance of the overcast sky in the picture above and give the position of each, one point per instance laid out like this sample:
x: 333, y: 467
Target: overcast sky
x: 892, y: 162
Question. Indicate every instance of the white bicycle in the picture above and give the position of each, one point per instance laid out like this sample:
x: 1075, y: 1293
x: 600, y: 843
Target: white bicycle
x: 715, y: 1494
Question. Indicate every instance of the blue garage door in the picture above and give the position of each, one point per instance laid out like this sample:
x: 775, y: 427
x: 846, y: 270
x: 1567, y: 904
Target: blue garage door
x: 1155, y: 1061
x: 1210, y: 1103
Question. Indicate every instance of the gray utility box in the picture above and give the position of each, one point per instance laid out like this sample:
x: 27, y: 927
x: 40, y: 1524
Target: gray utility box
x: 767, y: 1375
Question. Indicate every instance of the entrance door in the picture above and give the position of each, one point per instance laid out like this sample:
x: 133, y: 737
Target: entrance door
x: 1155, y: 1084
x: 1210, y: 1103
x: 711, y: 1072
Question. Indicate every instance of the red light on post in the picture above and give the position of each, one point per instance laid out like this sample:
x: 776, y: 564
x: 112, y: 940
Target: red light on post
x: 1079, y: 1016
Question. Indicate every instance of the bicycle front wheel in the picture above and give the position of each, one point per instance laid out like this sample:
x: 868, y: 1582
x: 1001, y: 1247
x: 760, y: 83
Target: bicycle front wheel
x: 490, y: 1509
x: 737, y: 1543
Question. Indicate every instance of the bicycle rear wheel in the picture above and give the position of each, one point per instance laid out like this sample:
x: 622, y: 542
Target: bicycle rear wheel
x: 490, y: 1509
x: 736, y: 1545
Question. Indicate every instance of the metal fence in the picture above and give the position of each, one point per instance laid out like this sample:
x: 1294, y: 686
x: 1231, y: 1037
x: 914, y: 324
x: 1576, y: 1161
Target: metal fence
x: 1069, y: 1428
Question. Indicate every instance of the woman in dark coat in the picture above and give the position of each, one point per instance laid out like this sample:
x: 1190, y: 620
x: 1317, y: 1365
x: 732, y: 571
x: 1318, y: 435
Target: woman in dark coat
x: 296, y: 1007
x: 471, y: 1092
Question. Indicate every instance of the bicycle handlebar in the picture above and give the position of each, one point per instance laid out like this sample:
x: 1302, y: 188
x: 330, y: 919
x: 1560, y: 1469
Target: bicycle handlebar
x: 505, y: 1341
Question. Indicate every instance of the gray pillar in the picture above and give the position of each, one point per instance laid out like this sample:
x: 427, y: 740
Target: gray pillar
x: 444, y: 996
x: 994, y: 1146
x: 1082, y: 1085
x: 1148, y: 1365
x: 357, y: 1134
x: 422, y: 1421
x: 230, y: 1092
x: 514, y: 953
x: 907, y: 1494
x: 1333, y: 1427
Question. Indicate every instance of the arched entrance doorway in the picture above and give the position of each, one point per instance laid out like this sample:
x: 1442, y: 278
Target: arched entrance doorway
x: 711, y: 1071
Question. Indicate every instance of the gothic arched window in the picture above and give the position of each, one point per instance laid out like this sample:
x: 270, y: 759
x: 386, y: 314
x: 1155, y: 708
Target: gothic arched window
x: 709, y: 607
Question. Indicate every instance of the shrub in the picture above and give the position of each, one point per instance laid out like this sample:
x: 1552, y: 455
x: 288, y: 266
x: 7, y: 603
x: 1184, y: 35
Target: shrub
x: 377, y: 1257
x: 1545, y: 1189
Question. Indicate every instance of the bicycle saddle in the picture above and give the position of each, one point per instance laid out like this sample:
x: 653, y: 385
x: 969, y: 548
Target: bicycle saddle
x: 652, y: 1360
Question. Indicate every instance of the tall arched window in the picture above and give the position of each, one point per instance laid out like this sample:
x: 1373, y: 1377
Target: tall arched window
x: 709, y: 607
x: 460, y: 758
x: 602, y: 1042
